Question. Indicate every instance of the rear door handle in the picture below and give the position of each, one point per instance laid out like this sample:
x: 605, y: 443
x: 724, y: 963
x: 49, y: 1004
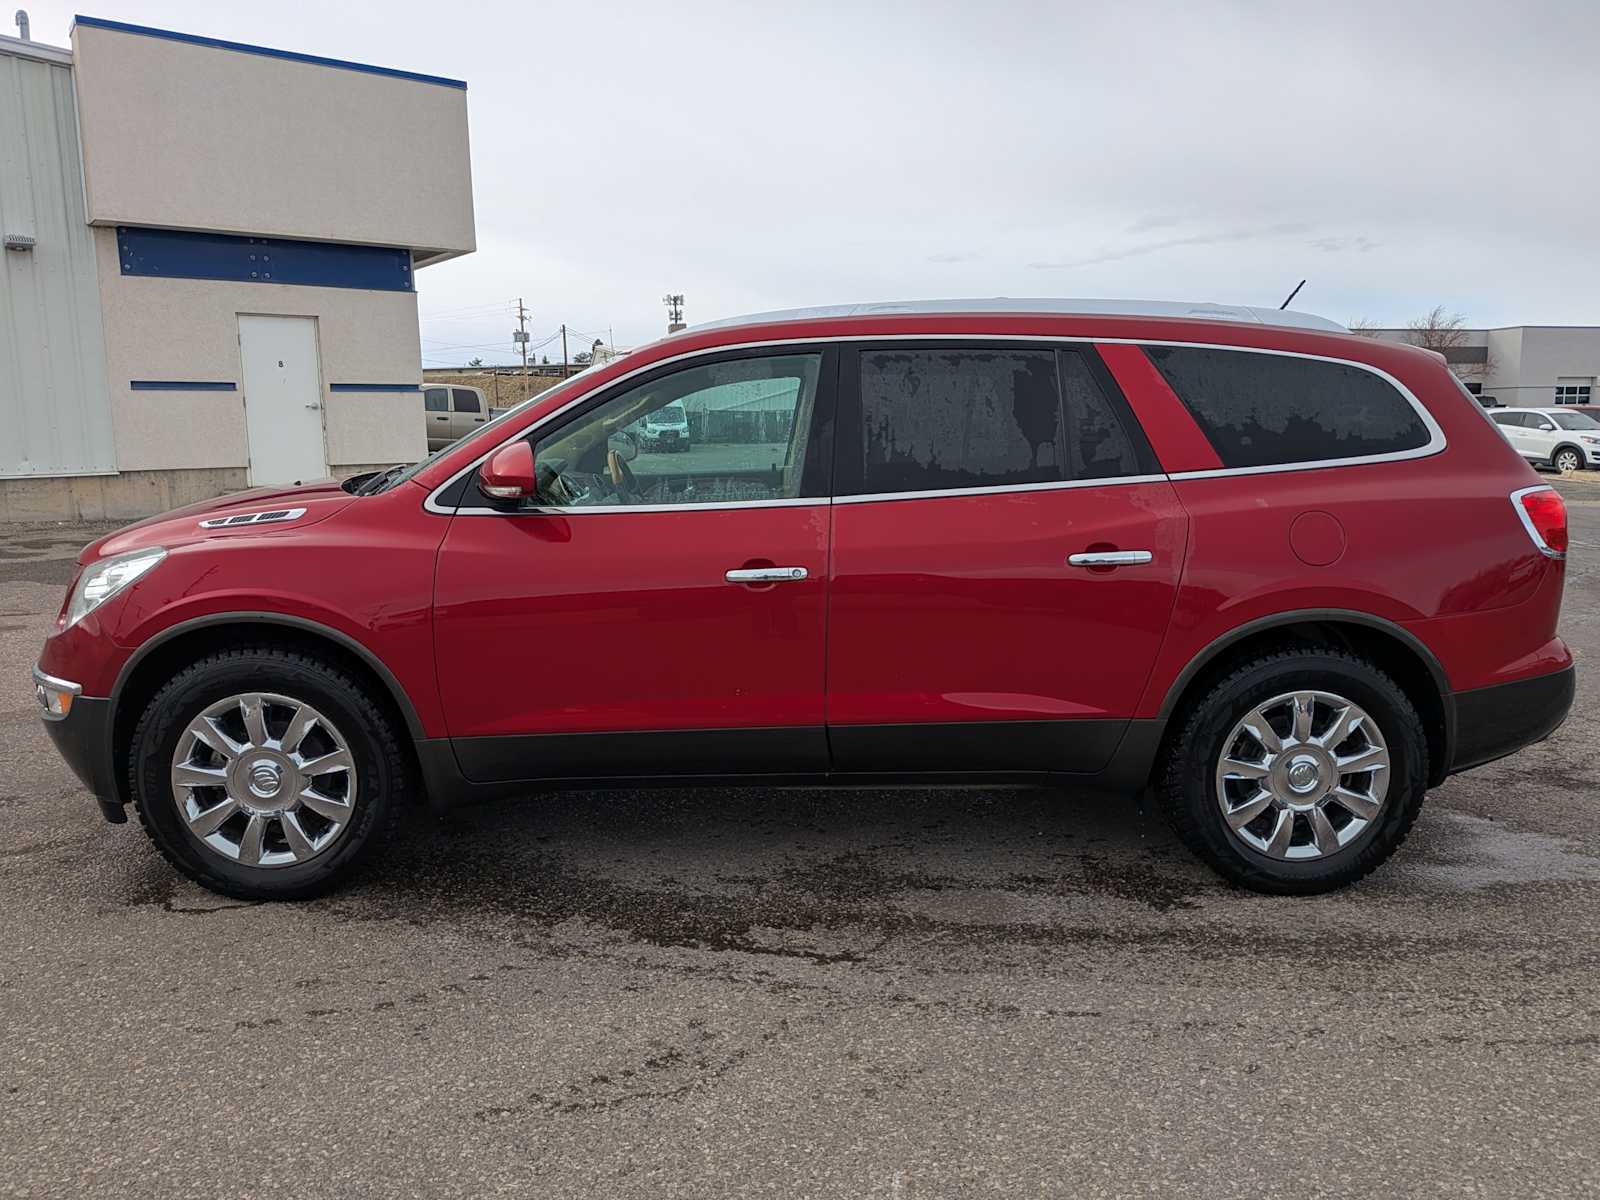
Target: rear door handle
x: 766, y: 575
x: 1110, y: 558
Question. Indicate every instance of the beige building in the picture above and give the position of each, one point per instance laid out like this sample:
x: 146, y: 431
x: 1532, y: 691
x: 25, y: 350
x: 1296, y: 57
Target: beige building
x: 209, y: 267
x: 1523, y: 366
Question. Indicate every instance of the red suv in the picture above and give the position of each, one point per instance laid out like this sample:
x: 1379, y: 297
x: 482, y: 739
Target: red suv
x: 1289, y: 577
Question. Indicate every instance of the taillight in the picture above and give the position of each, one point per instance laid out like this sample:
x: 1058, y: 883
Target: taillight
x: 1544, y: 516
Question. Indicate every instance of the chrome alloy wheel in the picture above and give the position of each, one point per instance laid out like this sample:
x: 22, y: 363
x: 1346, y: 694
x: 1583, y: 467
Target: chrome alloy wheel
x: 264, y: 780
x: 1302, y: 775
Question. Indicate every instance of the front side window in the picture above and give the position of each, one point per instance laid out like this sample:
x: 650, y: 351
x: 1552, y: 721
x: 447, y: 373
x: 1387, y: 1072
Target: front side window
x: 436, y: 400
x: 754, y: 417
x: 467, y: 400
x: 1262, y: 410
x: 1575, y: 420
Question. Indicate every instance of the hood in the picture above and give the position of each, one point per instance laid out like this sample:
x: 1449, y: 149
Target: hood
x: 181, y: 526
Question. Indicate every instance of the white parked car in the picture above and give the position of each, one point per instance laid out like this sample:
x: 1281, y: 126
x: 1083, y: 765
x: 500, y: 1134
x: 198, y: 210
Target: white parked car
x: 1552, y: 437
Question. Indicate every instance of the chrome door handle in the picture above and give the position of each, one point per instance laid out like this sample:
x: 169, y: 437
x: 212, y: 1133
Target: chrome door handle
x: 766, y: 575
x: 1110, y: 558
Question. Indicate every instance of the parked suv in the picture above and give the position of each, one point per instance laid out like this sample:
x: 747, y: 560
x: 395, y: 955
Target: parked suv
x: 1562, y: 438
x: 666, y: 428
x: 1290, y: 577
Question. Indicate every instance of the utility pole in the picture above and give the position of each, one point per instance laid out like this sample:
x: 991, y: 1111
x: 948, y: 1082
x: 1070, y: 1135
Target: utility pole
x: 674, y: 303
x: 519, y: 335
x: 563, y: 350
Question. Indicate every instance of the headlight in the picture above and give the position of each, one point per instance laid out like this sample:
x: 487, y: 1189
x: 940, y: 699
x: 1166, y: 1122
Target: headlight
x: 1593, y: 441
x: 106, y: 578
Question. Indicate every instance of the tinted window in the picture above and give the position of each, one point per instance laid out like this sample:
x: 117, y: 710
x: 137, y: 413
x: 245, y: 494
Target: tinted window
x: 752, y: 420
x: 1268, y: 409
x: 1507, y: 418
x: 436, y: 400
x: 934, y: 419
x: 1573, y: 420
x: 467, y: 400
x: 1098, y: 446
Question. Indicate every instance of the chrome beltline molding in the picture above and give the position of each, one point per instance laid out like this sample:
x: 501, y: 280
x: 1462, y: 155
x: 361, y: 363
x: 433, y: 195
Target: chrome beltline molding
x: 1436, y: 439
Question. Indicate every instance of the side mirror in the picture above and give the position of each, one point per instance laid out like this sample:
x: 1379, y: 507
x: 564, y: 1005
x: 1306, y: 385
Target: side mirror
x: 507, y: 475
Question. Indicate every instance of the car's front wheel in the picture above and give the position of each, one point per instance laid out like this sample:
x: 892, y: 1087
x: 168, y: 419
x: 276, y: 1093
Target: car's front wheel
x: 266, y: 773
x: 1567, y: 459
x: 1298, y: 772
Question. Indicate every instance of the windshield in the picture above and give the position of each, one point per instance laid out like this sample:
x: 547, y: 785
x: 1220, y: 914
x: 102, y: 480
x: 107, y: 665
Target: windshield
x: 397, y: 475
x: 1569, y: 420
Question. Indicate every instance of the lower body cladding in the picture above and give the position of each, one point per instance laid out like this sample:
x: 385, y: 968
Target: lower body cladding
x: 1115, y: 756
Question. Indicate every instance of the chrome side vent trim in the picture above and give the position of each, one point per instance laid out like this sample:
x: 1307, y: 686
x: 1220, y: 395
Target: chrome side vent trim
x: 276, y: 516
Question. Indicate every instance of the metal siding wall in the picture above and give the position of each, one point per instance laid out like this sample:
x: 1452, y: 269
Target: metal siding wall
x: 55, y: 413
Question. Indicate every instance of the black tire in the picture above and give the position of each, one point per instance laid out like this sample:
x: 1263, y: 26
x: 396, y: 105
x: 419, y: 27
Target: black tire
x: 1567, y: 458
x: 383, y: 767
x: 1188, y: 788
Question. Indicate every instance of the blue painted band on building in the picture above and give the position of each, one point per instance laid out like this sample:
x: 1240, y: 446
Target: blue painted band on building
x: 182, y: 385
x: 195, y: 39
x: 374, y: 387
x: 183, y: 254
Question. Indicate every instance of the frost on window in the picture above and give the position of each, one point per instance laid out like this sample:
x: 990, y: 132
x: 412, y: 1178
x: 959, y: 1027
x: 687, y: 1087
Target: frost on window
x: 934, y: 419
x: 1267, y: 409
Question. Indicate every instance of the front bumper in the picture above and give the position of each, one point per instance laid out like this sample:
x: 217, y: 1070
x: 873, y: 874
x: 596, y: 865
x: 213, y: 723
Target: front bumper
x: 1493, y: 722
x: 83, y: 738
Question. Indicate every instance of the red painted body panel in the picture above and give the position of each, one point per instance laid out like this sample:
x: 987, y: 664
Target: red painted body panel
x: 366, y: 571
x: 616, y: 621
x: 1173, y: 435
x: 944, y: 609
x: 963, y: 608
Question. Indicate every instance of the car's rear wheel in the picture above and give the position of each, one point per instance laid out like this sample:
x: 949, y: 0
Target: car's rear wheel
x: 1298, y: 772
x: 1567, y: 459
x: 266, y: 774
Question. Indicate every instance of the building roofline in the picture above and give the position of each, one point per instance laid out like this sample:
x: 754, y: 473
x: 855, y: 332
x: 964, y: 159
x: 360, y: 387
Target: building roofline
x: 1050, y: 306
x: 195, y: 39
x: 18, y: 48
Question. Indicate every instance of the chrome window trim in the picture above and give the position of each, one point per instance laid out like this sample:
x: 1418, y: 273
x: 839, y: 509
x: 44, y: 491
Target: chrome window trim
x: 1059, y: 485
x: 1435, y: 444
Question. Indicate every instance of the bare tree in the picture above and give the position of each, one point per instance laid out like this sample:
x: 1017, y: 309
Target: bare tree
x: 1443, y: 332
x: 1364, y: 327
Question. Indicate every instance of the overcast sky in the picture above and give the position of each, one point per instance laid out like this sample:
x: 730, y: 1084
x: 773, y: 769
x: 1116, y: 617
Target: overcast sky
x: 758, y: 155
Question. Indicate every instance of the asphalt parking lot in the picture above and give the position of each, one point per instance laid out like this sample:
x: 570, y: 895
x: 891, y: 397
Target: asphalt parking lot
x: 898, y: 993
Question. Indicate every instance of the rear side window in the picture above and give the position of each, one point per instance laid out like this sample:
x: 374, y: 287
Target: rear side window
x: 436, y: 400
x: 1098, y: 446
x: 467, y: 400
x: 1262, y: 410
x: 1506, y: 418
x: 937, y: 419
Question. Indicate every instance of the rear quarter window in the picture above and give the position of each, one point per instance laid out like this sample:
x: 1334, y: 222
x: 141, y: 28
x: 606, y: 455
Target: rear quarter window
x: 1262, y: 410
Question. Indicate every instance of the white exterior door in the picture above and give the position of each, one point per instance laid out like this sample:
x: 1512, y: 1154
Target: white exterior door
x: 282, y: 399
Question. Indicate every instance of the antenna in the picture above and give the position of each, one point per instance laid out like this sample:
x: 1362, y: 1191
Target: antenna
x: 1292, y: 295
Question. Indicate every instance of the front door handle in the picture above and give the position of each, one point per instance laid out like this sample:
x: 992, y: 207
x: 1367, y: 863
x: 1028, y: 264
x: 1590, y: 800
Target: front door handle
x: 1110, y: 558
x: 766, y: 575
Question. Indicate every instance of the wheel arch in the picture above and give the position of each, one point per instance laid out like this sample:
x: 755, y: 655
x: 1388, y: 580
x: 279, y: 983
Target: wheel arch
x: 1583, y: 459
x: 157, y: 659
x: 1397, y: 650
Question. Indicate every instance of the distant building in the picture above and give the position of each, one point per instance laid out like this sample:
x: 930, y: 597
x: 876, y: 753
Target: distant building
x: 1523, y: 366
x: 208, y: 274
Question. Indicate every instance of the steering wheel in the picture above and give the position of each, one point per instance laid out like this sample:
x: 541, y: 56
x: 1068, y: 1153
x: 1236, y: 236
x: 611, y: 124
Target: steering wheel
x: 622, y: 477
